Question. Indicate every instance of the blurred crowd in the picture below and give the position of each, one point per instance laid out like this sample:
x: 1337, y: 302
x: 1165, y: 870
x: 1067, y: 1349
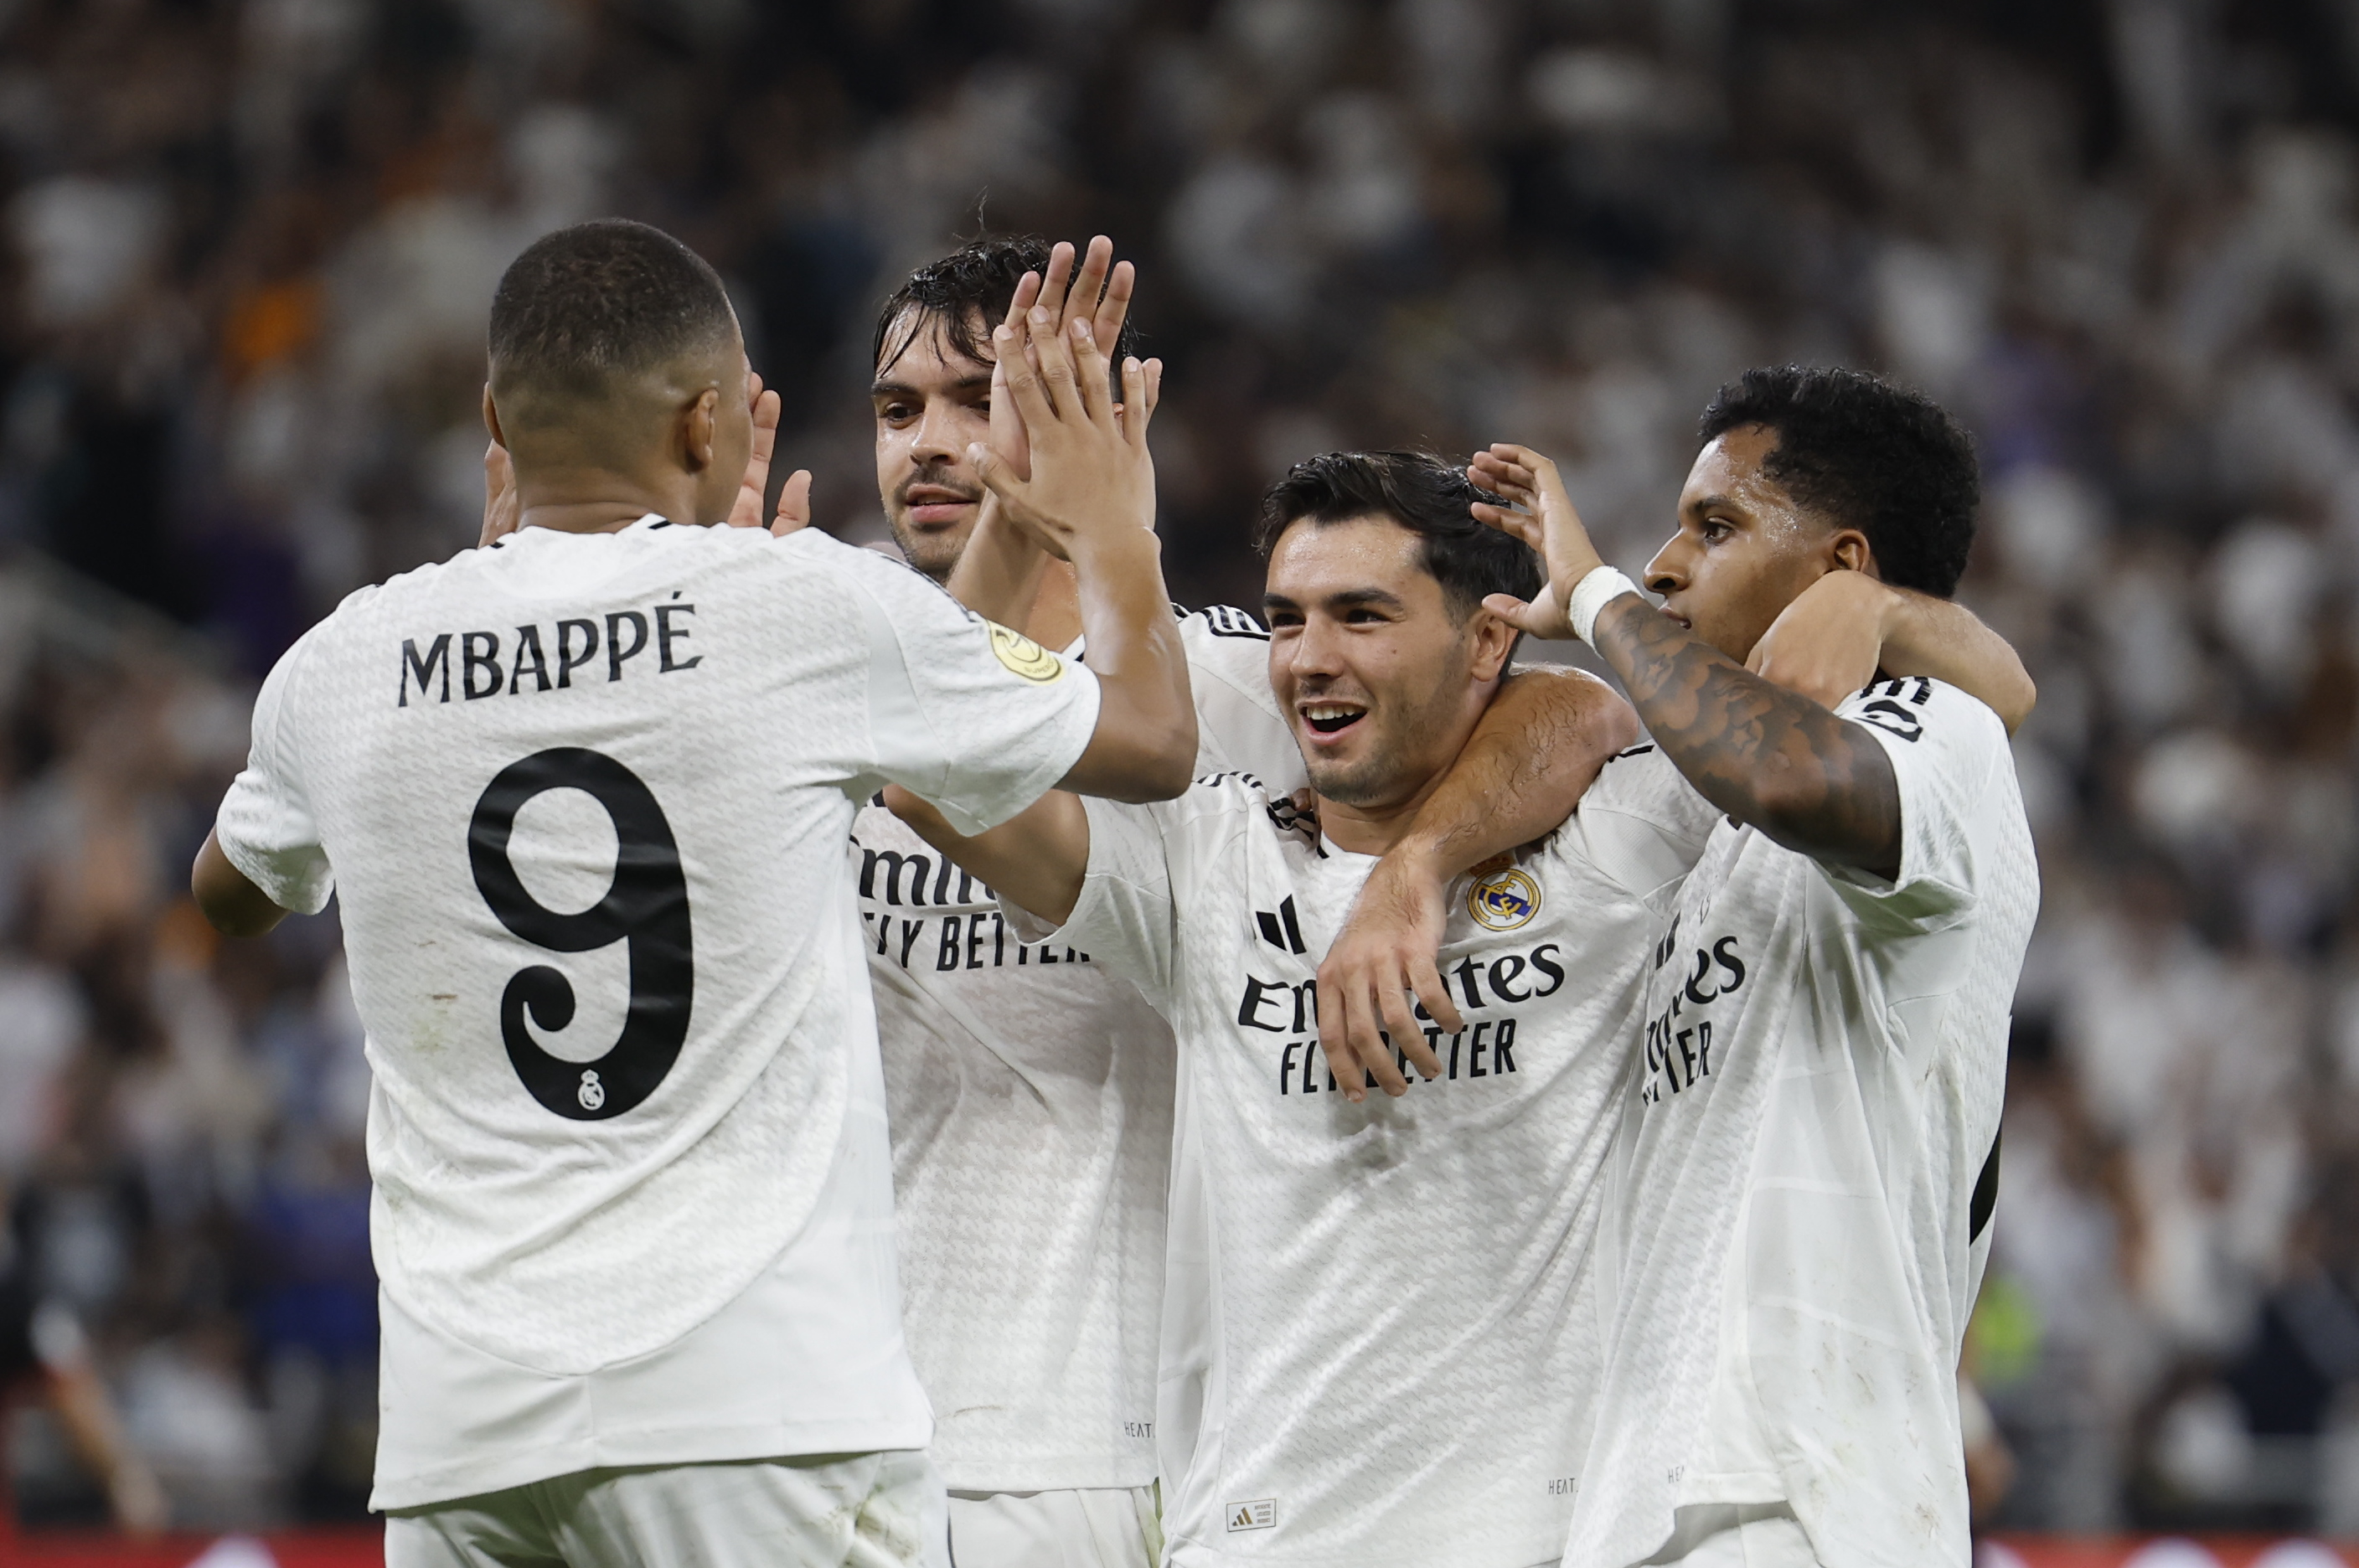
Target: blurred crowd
x: 246, y: 248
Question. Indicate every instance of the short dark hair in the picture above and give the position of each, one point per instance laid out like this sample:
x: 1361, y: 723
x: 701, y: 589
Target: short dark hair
x: 1870, y: 455
x: 584, y: 305
x: 1430, y: 497
x: 966, y: 295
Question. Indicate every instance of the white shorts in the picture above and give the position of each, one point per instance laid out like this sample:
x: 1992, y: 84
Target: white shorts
x: 1098, y: 1527
x: 1737, y: 1535
x: 855, y: 1510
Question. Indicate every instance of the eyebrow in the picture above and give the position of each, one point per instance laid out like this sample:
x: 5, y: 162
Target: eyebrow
x: 1348, y: 598
x: 1714, y: 503
x: 903, y: 389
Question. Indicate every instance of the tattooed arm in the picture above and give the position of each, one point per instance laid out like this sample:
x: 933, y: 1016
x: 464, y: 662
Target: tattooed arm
x: 1767, y: 756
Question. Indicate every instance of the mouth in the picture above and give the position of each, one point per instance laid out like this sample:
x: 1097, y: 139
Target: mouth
x: 935, y: 504
x: 1329, y: 718
x: 1677, y: 619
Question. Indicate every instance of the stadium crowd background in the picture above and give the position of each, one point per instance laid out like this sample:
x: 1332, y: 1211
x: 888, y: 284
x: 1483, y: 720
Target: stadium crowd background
x: 248, y: 252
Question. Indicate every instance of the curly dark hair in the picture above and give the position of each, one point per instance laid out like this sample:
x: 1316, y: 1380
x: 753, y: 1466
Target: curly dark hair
x: 963, y: 296
x: 584, y: 305
x: 1424, y: 495
x: 1869, y: 455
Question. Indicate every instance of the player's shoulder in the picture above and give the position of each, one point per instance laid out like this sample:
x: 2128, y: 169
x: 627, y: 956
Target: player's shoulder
x: 1238, y: 797
x: 1227, y: 643
x: 1248, y: 800
x: 1915, y: 709
x: 1639, y: 778
x: 1215, y: 625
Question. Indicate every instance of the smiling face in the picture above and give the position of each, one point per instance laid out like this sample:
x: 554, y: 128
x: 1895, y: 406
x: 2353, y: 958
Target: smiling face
x: 931, y: 402
x: 1381, y: 681
x: 1745, y: 547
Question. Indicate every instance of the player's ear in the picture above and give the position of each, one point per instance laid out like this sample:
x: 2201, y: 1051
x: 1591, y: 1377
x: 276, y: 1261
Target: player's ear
x: 1495, y: 644
x: 1850, y: 551
x: 700, y: 423
x: 491, y: 416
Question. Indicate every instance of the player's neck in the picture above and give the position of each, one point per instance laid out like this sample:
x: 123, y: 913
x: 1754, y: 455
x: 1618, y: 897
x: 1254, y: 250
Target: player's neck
x: 1374, y: 829
x: 1056, y: 617
x: 592, y: 502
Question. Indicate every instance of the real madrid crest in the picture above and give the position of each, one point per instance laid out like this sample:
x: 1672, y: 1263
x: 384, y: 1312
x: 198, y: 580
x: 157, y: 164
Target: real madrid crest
x: 1502, y: 900
x: 1023, y: 656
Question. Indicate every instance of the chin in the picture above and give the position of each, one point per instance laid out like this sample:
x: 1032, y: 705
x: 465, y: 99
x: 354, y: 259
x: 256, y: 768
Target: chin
x: 1351, y: 783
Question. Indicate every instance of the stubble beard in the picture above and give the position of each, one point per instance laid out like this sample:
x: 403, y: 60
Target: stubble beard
x: 934, y: 555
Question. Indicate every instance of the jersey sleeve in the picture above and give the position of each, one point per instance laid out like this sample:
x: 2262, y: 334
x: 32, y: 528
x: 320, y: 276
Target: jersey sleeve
x: 974, y: 717
x: 1127, y: 916
x: 1641, y: 823
x: 1945, y: 749
x: 1146, y: 867
x: 265, y: 826
x: 1239, y: 727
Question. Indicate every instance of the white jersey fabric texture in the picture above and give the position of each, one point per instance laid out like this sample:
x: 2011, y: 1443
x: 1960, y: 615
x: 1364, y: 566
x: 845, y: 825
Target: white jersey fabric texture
x: 862, y: 1510
x: 1086, y: 1527
x: 1381, y: 1338
x: 585, y: 798
x: 1806, y: 1165
x: 1030, y: 1091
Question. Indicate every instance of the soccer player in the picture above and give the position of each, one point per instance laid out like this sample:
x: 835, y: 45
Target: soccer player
x: 1810, y: 1147
x: 584, y: 796
x: 1030, y: 1086
x: 1396, y: 1341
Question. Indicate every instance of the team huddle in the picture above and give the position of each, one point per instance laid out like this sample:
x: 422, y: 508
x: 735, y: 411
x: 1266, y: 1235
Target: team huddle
x: 960, y: 1062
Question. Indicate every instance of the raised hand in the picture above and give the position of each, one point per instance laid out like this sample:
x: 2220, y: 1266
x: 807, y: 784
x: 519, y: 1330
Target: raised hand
x: 502, y: 511
x: 1101, y: 293
x: 1536, y: 510
x: 1090, y: 470
x: 794, y: 496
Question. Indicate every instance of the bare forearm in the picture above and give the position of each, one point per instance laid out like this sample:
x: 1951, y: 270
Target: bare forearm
x: 1766, y: 755
x: 234, y: 906
x: 1144, y: 747
x: 1038, y: 858
x: 1537, y: 749
x: 999, y: 574
x: 1936, y: 638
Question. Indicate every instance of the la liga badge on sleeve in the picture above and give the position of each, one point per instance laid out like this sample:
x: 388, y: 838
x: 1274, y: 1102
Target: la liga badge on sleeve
x: 1504, y: 899
x: 1023, y: 656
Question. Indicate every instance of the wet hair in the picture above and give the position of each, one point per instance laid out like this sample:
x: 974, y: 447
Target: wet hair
x: 1424, y: 495
x: 585, y: 306
x: 963, y: 296
x: 1868, y: 455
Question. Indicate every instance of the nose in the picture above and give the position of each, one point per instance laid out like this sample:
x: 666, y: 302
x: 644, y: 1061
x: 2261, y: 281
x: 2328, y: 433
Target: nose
x: 1668, y: 572
x: 937, y: 437
x: 1313, y: 649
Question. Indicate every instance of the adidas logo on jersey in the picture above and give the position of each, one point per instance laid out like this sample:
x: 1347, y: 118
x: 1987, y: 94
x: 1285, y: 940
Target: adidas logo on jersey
x: 1260, y: 1514
x: 1281, y: 930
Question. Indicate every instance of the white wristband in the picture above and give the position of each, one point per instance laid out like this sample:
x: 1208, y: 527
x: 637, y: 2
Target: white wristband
x: 1591, y: 595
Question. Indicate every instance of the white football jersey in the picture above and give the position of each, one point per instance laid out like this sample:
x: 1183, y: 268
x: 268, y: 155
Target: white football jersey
x: 1383, y: 1339
x: 585, y: 798
x: 1030, y: 1091
x: 1807, y: 1162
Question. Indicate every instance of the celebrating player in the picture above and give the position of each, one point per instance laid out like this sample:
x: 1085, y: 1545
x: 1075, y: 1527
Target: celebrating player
x: 586, y: 796
x: 1030, y: 1086
x: 1809, y: 1150
x: 1387, y: 1303
x: 1393, y: 1292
